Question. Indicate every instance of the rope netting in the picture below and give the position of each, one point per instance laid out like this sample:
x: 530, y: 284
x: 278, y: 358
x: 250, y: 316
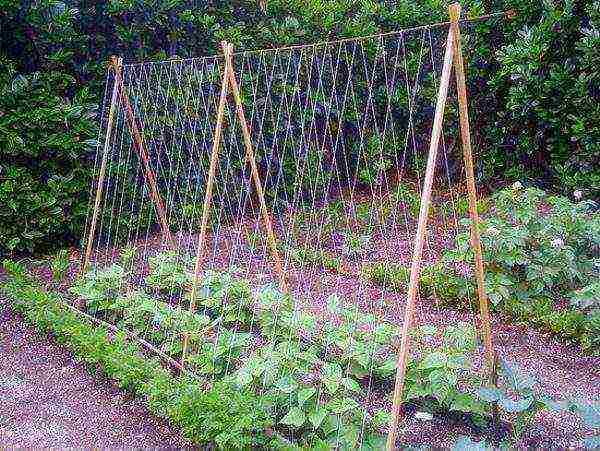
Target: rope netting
x: 339, y: 133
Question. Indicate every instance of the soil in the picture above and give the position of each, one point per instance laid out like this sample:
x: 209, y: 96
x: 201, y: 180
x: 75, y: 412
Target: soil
x: 49, y: 400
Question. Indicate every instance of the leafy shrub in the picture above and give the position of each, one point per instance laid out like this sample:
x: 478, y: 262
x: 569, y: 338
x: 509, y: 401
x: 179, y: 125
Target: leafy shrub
x: 539, y: 247
x: 516, y: 397
x: 437, y: 280
x: 46, y: 134
x: 443, y: 367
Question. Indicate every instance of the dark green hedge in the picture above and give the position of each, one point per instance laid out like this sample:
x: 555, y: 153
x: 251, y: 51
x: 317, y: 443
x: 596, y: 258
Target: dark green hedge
x: 534, y: 86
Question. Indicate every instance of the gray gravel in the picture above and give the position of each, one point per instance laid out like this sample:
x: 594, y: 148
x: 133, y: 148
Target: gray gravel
x: 49, y: 400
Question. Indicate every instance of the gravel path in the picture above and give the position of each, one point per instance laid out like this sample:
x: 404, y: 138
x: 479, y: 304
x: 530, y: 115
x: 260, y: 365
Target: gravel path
x: 48, y: 400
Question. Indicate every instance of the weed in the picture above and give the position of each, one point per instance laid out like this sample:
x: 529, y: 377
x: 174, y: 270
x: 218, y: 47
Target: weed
x: 305, y: 255
x: 59, y: 265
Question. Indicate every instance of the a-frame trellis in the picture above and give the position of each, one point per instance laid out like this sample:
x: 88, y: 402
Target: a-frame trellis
x: 229, y: 86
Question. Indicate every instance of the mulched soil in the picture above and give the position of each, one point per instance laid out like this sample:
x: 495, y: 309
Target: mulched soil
x: 49, y: 400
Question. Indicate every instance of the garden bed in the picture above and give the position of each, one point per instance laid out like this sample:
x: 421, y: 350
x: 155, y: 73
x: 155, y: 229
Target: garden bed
x: 332, y: 342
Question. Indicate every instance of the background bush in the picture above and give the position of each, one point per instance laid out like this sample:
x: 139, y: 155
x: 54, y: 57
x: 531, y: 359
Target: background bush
x: 534, y: 85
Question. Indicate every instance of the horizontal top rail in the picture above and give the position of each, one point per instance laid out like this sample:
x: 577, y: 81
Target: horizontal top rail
x: 508, y: 13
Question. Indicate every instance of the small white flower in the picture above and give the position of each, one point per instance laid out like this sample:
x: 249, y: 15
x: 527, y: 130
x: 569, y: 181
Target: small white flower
x: 493, y: 231
x: 578, y: 194
x: 517, y: 186
x: 557, y: 243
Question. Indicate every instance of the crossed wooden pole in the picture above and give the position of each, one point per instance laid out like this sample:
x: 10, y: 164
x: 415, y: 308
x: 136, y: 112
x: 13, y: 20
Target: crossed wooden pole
x: 453, y: 57
x: 119, y: 94
x: 230, y: 83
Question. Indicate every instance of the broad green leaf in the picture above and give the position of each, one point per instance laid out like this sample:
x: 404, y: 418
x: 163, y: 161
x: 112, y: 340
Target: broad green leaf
x: 434, y: 360
x: 330, y: 424
x: 512, y: 406
x: 380, y: 418
x: 387, y: 368
x: 489, y: 394
x: 458, y: 362
x: 334, y: 303
x: 340, y: 406
x: 286, y: 384
x: 295, y: 417
x: 243, y: 377
x: 351, y: 384
x: 429, y: 330
x: 417, y: 391
x: 331, y: 375
x: 515, y: 378
x: 465, y: 402
x: 305, y: 394
x: 316, y: 416
x: 373, y: 442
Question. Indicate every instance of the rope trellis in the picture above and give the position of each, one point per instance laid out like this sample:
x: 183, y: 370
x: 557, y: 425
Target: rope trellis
x: 242, y: 195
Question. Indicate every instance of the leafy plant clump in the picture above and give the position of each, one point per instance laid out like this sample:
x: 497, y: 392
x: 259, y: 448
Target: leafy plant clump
x: 301, y: 377
x: 542, y: 256
x: 221, y: 415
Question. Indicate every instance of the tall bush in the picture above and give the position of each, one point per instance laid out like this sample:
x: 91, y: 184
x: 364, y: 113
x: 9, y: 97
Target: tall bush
x: 45, y: 136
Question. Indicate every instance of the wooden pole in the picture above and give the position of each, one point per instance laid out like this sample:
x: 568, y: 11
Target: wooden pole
x: 138, y: 143
x: 415, y: 269
x: 465, y: 134
x: 115, y: 64
x: 214, y: 156
x: 255, y: 175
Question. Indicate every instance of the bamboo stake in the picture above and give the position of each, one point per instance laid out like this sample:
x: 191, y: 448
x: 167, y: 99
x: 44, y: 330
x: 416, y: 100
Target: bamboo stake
x: 465, y: 133
x: 138, y: 142
x: 255, y: 175
x: 115, y: 64
x: 209, y: 189
x: 415, y: 269
x: 131, y: 335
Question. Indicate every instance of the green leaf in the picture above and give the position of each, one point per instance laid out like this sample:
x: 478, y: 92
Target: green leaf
x: 489, y: 394
x: 243, y: 378
x: 351, y: 384
x: 465, y: 402
x: 334, y: 303
x: 428, y: 330
x: 459, y: 362
x: 305, y: 394
x: 316, y: 416
x: 374, y: 442
x: 381, y: 418
x: 512, y: 406
x: 515, y: 378
x: 340, y: 406
x: 295, y: 417
x: 331, y: 375
x: 417, y: 391
x: 434, y: 360
x: 287, y: 384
